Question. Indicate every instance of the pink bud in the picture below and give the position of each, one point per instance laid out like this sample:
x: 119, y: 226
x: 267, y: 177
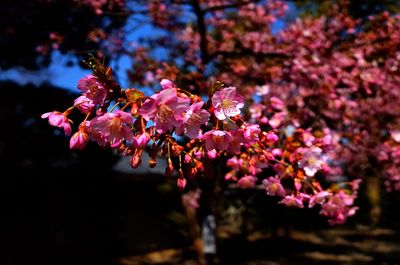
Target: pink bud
x: 140, y: 141
x: 169, y: 171
x: 264, y: 120
x: 181, y: 182
x: 188, y: 159
x: 166, y: 84
x: 136, y: 159
x: 272, y: 138
x: 212, y: 154
x: 78, y: 140
x: 277, y: 152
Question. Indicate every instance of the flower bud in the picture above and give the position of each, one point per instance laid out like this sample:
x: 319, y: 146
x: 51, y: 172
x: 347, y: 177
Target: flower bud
x: 181, y: 183
x: 169, y: 171
x: 78, y: 140
x: 136, y: 159
x: 152, y: 163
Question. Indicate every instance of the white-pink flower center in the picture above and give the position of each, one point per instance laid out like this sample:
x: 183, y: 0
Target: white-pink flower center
x: 114, y: 126
x: 164, y: 113
x: 227, y: 104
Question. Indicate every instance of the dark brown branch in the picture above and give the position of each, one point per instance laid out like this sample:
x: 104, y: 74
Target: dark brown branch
x: 202, y: 30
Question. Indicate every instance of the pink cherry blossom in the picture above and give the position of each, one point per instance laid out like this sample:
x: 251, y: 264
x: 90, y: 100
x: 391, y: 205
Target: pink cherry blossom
x: 250, y: 133
x: 218, y: 140
x: 311, y: 161
x: 292, y: 201
x: 227, y: 103
x: 338, y: 208
x: 84, y: 104
x: 256, y: 111
x: 93, y: 89
x: 274, y: 187
x: 165, y: 109
x: 58, y: 119
x: 319, y: 198
x: 247, y: 182
x: 110, y: 128
x: 79, y: 140
x: 192, y: 119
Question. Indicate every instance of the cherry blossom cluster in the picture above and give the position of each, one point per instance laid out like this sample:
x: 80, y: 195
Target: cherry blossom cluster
x: 132, y: 123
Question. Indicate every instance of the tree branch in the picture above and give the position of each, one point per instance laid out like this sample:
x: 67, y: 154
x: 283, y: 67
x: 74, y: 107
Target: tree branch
x: 202, y: 30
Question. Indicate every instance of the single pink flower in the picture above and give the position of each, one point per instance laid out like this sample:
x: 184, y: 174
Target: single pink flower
x: 251, y: 133
x: 79, y: 140
x: 58, y: 119
x: 274, y: 187
x: 319, y: 198
x: 292, y: 201
x: 111, y: 128
x: 165, y: 109
x: 247, y: 182
x: 311, y: 161
x: 193, y: 118
x: 277, y: 119
x: 216, y: 139
x: 84, y: 104
x: 93, y: 89
x: 227, y: 103
x: 256, y: 111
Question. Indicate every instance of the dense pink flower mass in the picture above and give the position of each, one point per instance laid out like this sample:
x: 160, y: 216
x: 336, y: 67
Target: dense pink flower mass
x: 227, y: 103
x: 165, y: 109
x: 110, y: 128
x: 58, y: 119
x: 338, y: 208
